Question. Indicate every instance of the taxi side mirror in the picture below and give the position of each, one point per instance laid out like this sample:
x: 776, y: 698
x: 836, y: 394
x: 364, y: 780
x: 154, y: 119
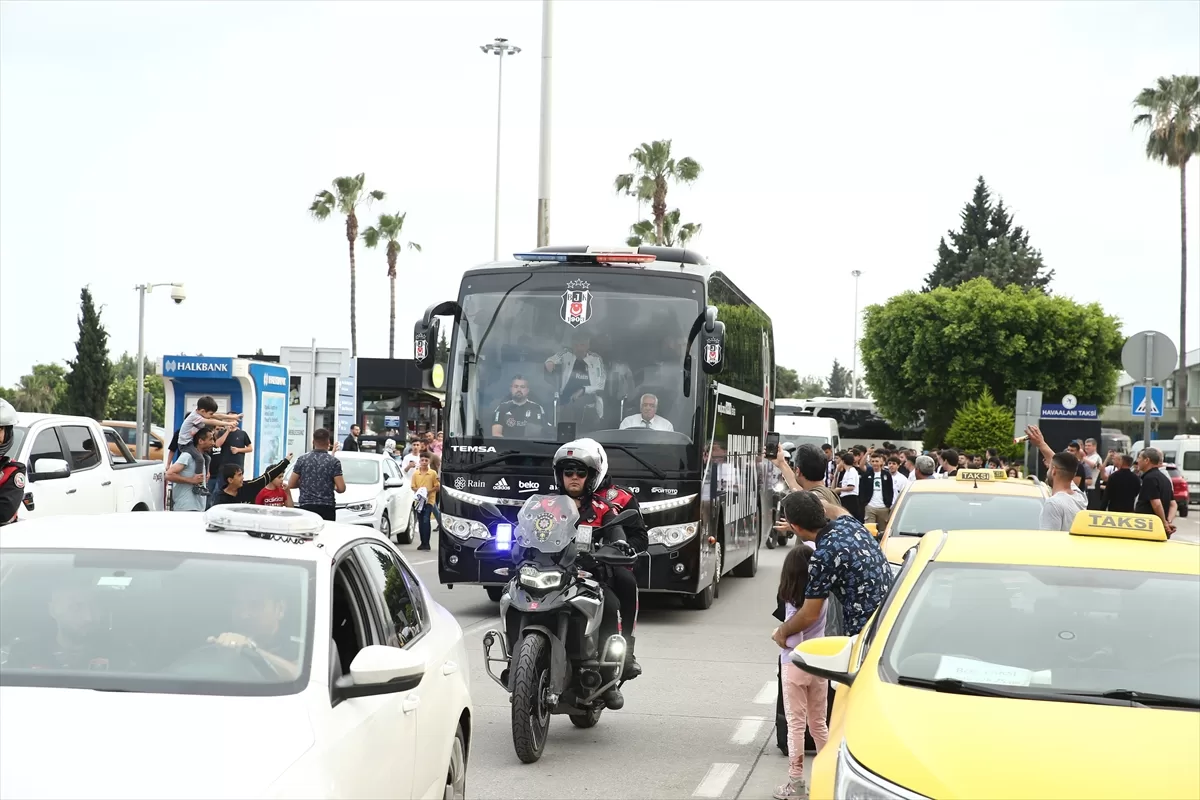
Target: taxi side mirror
x: 826, y: 657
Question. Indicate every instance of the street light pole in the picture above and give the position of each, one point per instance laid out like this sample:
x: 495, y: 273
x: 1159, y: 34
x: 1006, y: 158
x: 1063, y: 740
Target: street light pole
x: 143, y: 289
x: 854, y: 367
x: 500, y: 48
x: 543, y: 207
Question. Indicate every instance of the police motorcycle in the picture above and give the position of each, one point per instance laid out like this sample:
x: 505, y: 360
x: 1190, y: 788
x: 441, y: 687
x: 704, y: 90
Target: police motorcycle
x: 780, y: 490
x: 554, y: 660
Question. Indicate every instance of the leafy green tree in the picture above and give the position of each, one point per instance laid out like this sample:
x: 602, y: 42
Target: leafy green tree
x: 988, y: 245
x: 839, y: 381
x: 788, y: 383
x: 122, y: 395
x: 42, y: 391
x: 389, y: 229
x: 91, y: 371
x: 982, y: 423
x: 347, y: 195
x: 654, y: 170
x: 644, y: 232
x: 9, y: 394
x: 932, y: 350
x: 1170, y: 113
x: 442, y: 354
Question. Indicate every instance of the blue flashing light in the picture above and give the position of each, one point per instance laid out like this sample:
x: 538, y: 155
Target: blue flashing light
x: 504, y: 535
x: 560, y: 257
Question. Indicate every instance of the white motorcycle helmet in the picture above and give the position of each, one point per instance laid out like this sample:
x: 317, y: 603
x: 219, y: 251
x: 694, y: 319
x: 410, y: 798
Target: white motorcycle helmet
x: 589, y: 454
x: 8, y: 418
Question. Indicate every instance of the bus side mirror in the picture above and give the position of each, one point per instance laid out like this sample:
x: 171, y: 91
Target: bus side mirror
x: 713, y: 353
x: 425, y: 338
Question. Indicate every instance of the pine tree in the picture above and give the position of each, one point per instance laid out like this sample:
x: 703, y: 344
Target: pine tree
x: 988, y: 245
x: 91, y: 371
x: 839, y: 381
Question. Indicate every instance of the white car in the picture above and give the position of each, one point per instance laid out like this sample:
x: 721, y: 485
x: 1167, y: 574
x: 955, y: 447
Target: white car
x: 249, y: 651
x: 377, y: 494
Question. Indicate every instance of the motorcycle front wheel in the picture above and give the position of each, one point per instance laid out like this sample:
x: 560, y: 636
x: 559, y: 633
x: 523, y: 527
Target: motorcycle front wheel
x: 531, y: 684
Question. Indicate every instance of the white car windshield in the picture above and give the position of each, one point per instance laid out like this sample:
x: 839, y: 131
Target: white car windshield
x: 159, y: 622
x: 360, y: 471
x: 1051, y: 629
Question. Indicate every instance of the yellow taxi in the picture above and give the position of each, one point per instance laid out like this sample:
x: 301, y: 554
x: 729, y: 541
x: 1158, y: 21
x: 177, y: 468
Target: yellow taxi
x: 1022, y: 664
x: 974, y: 499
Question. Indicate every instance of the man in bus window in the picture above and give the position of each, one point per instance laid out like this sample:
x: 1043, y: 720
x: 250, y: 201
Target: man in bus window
x: 648, y: 418
x: 580, y: 375
x: 518, y: 417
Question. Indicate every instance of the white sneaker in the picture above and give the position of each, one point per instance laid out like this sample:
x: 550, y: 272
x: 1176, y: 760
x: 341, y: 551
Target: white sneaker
x: 794, y: 789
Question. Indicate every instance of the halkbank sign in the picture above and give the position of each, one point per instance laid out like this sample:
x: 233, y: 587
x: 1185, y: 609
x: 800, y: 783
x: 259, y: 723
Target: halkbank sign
x: 197, y: 367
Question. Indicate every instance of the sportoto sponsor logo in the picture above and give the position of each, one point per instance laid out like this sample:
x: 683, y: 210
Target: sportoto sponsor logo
x: 528, y: 486
x: 501, y: 486
x: 472, y: 448
x: 663, y: 490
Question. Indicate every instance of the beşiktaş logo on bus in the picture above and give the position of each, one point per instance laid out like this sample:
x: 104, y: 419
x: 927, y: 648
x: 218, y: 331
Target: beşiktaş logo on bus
x: 501, y: 486
x: 420, y: 346
x: 528, y: 486
x: 462, y: 482
x: 275, y: 380
x: 472, y: 448
x: 663, y: 490
x: 576, y: 303
x: 712, y: 351
x: 171, y: 365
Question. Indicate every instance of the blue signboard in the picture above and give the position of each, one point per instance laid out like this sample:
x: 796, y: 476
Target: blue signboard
x: 1059, y: 411
x: 1157, y: 400
x: 197, y: 367
x: 272, y: 383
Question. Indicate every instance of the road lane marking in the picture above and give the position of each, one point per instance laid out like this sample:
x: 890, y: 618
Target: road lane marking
x: 766, y: 695
x: 715, y: 780
x: 419, y: 563
x: 482, y: 625
x: 747, y: 730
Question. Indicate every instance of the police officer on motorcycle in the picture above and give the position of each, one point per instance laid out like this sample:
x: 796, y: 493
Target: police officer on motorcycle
x: 12, y: 473
x: 579, y: 470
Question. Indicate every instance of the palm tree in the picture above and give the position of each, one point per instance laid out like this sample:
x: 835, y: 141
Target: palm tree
x: 1170, y: 111
x: 653, y: 169
x: 644, y: 232
x: 347, y: 195
x: 35, y: 395
x: 388, y: 229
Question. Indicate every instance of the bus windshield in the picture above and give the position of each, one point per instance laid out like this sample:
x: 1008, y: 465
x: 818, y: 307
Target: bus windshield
x: 554, y: 354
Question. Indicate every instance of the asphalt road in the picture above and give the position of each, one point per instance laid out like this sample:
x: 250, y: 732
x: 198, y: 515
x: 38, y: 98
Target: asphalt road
x: 698, y: 723
x: 693, y: 724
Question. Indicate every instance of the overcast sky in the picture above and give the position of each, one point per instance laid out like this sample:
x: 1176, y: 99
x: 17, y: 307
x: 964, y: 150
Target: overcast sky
x: 176, y: 141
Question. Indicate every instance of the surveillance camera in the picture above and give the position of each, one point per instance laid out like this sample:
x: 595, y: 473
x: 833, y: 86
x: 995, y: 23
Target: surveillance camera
x: 178, y: 294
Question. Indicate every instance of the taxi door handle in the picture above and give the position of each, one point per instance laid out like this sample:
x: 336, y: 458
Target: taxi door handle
x: 449, y: 668
x: 411, y: 703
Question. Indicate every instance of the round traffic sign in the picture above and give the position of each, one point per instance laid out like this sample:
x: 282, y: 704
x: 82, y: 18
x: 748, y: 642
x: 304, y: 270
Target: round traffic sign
x: 1157, y: 364
x: 1069, y: 401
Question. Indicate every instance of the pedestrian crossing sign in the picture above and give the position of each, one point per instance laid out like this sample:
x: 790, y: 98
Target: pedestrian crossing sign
x: 1143, y: 405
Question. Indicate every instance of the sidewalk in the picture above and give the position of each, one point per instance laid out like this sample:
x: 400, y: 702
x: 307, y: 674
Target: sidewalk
x: 769, y: 771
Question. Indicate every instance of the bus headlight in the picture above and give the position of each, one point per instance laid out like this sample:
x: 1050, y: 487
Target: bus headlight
x: 673, y: 535
x: 464, y: 529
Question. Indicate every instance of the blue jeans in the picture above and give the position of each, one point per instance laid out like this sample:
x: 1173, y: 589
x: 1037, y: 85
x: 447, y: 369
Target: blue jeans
x: 423, y: 521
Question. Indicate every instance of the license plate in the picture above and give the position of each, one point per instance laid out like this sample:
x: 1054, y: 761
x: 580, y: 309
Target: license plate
x: 583, y: 535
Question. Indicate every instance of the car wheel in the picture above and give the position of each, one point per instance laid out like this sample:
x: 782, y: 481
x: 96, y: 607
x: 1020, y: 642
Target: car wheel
x: 704, y: 600
x: 406, y: 535
x: 385, y: 526
x: 1183, y: 510
x: 456, y: 773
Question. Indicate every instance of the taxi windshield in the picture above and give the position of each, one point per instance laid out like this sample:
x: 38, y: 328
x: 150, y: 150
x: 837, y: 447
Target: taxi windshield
x: 156, y: 622
x: 1055, y: 629
x: 922, y: 512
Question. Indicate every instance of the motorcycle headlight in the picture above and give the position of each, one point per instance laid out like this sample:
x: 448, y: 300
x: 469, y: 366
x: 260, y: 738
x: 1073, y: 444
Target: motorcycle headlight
x: 362, y: 508
x: 855, y: 782
x: 673, y: 535
x: 464, y: 529
x: 535, y: 578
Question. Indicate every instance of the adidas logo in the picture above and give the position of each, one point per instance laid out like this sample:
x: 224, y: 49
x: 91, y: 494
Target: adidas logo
x: 501, y: 486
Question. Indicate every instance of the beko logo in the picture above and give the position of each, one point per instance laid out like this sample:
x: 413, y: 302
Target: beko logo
x: 472, y: 448
x: 528, y: 486
x: 663, y: 490
x: 501, y: 485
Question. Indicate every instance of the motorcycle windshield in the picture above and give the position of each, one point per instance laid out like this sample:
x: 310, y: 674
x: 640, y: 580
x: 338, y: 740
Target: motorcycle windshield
x: 547, y: 522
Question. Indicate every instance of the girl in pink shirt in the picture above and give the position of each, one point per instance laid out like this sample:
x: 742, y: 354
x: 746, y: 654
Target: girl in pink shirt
x: 804, y: 695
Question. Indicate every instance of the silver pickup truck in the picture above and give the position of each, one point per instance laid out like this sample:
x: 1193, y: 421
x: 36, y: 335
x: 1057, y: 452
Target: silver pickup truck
x: 76, y: 466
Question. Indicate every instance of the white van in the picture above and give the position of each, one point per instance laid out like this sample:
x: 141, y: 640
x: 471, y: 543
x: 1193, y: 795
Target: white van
x: 808, y: 430
x: 1184, y: 452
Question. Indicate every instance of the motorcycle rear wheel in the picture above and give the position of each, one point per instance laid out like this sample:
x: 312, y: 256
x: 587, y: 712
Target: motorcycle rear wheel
x: 587, y: 720
x: 531, y: 684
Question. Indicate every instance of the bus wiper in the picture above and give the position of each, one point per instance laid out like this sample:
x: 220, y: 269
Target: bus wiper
x: 956, y: 686
x: 487, y: 462
x: 1145, y: 698
x: 658, y: 473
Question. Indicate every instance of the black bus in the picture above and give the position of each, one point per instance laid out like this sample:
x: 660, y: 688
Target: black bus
x: 651, y: 352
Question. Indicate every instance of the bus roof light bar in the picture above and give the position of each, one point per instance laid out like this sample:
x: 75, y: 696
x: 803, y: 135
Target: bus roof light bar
x: 588, y: 258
